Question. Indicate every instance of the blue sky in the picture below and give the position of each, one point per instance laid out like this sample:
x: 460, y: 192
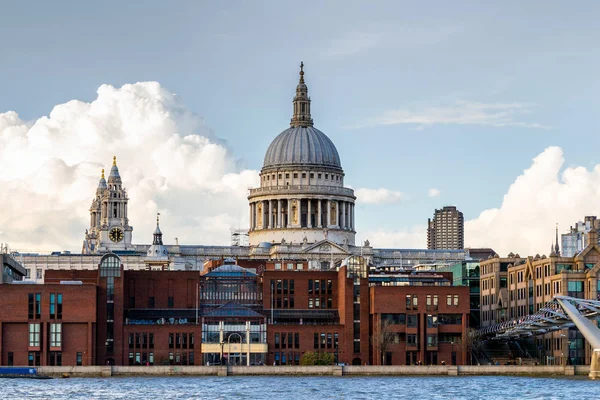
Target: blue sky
x: 458, y: 96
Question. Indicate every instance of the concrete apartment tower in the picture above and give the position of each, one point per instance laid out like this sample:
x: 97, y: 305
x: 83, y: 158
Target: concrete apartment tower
x: 447, y: 230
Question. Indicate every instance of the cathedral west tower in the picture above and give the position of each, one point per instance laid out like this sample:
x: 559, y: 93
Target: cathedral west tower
x: 302, y: 197
x: 109, y: 226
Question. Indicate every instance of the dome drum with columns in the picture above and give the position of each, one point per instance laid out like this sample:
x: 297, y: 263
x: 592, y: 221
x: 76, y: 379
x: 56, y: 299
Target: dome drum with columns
x: 302, y: 197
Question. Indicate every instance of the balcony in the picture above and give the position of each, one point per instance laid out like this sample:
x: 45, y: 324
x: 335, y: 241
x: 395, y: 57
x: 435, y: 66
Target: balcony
x: 302, y: 189
x: 160, y: 316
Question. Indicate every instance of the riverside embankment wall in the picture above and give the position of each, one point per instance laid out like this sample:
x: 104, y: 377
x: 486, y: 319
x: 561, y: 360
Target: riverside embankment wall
x: 350, y: 370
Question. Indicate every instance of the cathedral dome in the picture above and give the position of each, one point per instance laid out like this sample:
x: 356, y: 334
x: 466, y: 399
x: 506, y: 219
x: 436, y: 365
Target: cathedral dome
x: 302, y: 145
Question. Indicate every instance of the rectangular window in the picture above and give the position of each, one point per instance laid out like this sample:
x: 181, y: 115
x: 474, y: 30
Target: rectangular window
x: 191, y: 340
x: 137, y: 341
x: 277, y: 265
x: 277, y: 340
x: 34, y: 335
x: 151, y: 340
x: 455, y: 300
x: 432, y: 340
x: 323, y: 341
x: 11, y: 358
x: 290, y: 340
x: 191, y: 358
x: 411, y: 340
x: 411, y: 321
x: 184, y: 340
x: 55, y: 335
x: 296, y: 340
x: 299, y: 266
x: 55, y: 358
x: 177, y: 340
x: 171, y: 340
x: 38, y: 305
x: 151, y: 358
x: 52, y: 306
x: 290, y: 266
x: 59, y: 305
x: 449, y: 300
x: 79, y: 359
x: 145, y: 340
x: 329, y: 341
x: 171, y: 302
x: 151, y: 302
x: 31, y: 306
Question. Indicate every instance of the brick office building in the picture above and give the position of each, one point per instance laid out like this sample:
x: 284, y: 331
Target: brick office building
x: 52, y: 324
x: 234, y: 315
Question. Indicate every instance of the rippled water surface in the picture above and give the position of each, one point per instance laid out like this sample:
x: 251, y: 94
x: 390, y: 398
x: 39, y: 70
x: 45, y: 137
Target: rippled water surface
x: 271, y: 388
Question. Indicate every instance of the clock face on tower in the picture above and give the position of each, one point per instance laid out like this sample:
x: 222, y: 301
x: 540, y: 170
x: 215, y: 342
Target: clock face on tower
x: 116, y: 235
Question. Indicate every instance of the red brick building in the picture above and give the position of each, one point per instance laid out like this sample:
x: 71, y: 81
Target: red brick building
x: 269, y: 313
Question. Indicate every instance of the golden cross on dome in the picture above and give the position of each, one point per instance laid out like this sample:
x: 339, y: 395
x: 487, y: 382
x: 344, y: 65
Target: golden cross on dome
x: 102, y: 173
x: 114, y: 161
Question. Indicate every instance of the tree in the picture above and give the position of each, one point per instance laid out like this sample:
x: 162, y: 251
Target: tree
x: 383, y: 338
x: 316, y: 358
x: 469, y: 344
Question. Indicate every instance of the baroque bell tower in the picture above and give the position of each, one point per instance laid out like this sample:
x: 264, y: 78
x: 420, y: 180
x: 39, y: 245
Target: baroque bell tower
x: 109, y: 225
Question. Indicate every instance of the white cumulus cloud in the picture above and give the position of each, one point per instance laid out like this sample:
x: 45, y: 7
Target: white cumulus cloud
x: 433, y: 192
x: 543, y: 195
x: 538, y: 199
x: 168, y: 160
x: 378, y: 196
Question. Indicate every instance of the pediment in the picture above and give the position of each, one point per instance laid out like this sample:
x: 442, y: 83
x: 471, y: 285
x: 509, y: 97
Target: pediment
x: 591, y: 250
x: 326, y: 247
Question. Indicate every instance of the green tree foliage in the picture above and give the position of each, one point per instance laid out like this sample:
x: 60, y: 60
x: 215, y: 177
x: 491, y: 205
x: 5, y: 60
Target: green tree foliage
x: 316, y: 358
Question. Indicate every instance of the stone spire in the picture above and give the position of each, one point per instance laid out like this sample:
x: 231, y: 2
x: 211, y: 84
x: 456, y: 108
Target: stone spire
x: 102, y: 183
x: 556, y: 246
x: 157, y: 233
x: 114, y: 172
x: 301, y: 115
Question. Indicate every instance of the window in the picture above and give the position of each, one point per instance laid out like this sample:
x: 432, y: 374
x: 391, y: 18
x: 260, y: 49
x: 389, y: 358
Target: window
x: 38, y: 273
x: 312, y: 175
x: 432, y: 340
x: 295, y: 175
x: 55, y: 335
x: 59, y: 303
x: 319, y: 176
x: 31, y: 305
x: 171, y: 340
x: 299, y: 266
x: 290, y: 266
x: 38, y: 305
x: 52, y: 305
x: 296, y: 340
x: 11, y: 358
x: 33, y: 358
x: 411, y: 340
x: 151, y: 302
x: 55, y: 358
x: 34, y: 335
x: 277, y: 265
x: 411, y: 321
x: 191, y: 341
x: 170, y: 302
x: 277, y: 340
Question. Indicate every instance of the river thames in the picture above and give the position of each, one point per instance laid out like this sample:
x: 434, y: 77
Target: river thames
x: 479, y: 387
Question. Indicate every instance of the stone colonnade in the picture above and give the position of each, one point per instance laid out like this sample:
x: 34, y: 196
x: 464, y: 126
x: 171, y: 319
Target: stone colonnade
x: 302, y: 213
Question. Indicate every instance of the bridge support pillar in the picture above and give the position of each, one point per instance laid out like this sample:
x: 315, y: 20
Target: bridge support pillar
x: 595, y: 365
